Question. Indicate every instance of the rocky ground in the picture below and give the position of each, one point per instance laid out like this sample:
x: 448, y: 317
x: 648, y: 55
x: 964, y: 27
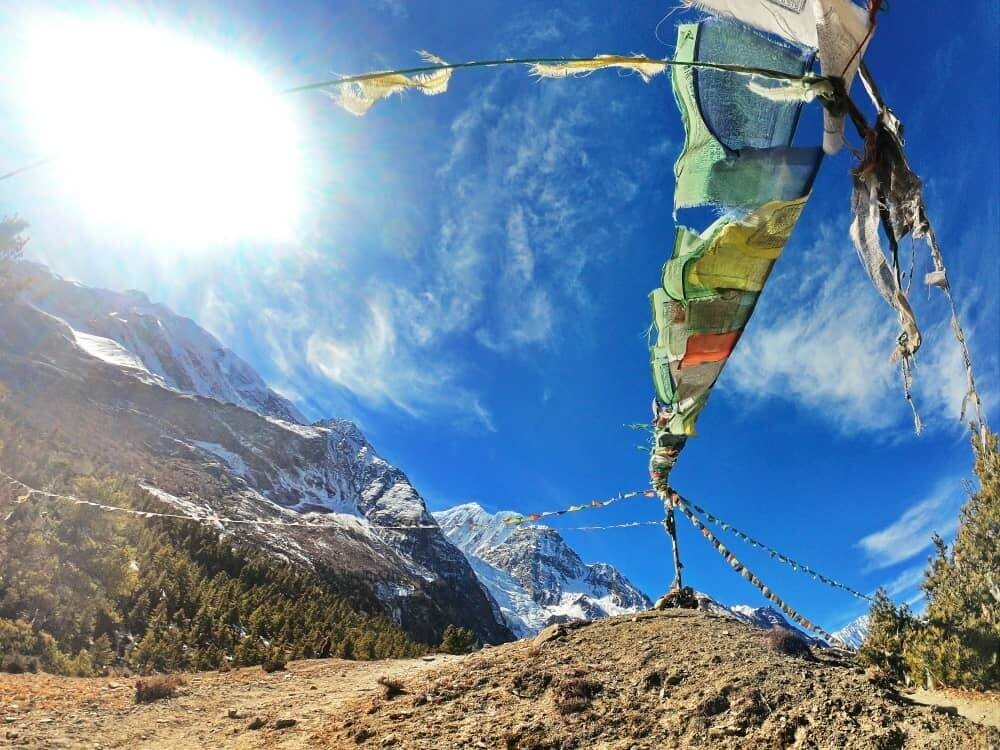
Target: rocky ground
x: 675, y: 679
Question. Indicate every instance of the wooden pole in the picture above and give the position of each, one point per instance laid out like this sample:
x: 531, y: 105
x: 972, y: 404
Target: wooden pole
x: 670, y: 524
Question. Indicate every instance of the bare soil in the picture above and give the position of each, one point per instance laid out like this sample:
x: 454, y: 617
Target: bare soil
x: 674, y: 679
x: 211, y: 710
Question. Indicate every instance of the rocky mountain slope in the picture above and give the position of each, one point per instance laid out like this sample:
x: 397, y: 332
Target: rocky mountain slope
x: 535, y: 577
x: 111, y: 391
x: 125, y: 329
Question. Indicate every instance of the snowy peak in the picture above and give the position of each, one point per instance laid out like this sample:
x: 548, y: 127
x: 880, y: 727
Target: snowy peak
x: 472, y: 529
x: 854, y: 633
x: 535, y: 577
x: 126, y: 330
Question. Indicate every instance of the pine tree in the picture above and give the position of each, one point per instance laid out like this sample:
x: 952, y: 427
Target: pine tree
x: 889, y: 630
x: 957, y: 642
x: 458, y: 640
x: 960, y: 642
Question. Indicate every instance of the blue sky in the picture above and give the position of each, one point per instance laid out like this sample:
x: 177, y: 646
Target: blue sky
x: 467, y: 279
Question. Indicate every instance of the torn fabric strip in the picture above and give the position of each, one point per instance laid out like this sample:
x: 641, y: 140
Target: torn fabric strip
x: 864, y: 233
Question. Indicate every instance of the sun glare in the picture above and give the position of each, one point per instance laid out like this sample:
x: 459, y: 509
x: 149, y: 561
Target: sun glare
x: 162, y: 134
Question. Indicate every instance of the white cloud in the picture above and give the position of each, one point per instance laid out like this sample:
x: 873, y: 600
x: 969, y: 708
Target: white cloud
x: 905, y: 581
x: 822, y: 338
x: 911, y: 533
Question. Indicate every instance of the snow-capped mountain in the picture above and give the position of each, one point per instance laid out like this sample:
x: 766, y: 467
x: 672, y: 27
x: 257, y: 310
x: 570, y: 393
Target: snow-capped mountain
x: 533, y: 575
x: 854, y: 633
x: 125, y: 329
x: 114, y: 382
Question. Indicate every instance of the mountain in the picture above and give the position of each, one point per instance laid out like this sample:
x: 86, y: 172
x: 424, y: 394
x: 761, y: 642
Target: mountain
x: 109, y: 382
x: 854, y: 633
x: 126, y: 330
x: 533, y: 575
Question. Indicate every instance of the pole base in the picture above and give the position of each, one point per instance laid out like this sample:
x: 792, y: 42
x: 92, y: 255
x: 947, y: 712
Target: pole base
x: 677, y: 598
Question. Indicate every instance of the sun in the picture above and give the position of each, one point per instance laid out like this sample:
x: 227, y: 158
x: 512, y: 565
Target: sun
x: 160, y: 133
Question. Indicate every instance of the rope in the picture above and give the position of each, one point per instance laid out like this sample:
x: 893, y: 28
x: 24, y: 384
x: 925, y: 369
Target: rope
x: 748, y: 70
x: 774, y: 554
x: 212, y: 518
x: 682, y: 505
x: 518, y: 520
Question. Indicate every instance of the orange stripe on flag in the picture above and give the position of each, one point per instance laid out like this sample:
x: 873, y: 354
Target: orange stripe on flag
x: 709, y: 347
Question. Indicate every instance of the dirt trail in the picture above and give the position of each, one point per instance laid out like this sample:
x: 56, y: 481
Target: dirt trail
x: 42, y: 711
x: 978, y: 707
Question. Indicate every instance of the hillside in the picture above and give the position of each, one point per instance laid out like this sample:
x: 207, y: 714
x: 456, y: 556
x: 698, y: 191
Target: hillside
x: 655, y: 680
x: 107, y: 383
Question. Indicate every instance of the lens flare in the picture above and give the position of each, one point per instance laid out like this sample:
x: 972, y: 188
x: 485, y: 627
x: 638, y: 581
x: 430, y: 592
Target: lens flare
x: 160, y: 133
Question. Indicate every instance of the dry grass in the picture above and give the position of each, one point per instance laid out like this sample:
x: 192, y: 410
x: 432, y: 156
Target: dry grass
x: 157, y: 688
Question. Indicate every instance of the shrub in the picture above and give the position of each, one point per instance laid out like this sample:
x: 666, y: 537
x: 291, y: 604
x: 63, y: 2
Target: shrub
x: 156, y: 688
x: 458, y: 640
x: 787, y: 642
x: 18, y: 664
x: 275, y: 662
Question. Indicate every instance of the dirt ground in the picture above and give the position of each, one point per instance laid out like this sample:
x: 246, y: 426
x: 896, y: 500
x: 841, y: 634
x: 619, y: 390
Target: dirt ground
x: 43, y: 711
x: 676, y: 679
x: 978, y: 707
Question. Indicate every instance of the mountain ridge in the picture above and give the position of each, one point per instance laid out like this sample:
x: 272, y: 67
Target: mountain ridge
x: 213, y: 457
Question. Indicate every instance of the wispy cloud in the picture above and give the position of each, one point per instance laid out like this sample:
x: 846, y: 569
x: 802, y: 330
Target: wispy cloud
x: 911, y: 533
x: 822, y: 338
x: 395, y: 8
x: 906, y: 581
x: 529, y: 197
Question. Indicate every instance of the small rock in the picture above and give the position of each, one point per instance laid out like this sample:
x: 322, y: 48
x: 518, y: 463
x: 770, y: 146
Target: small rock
x: 946, y: 710
x: 551, y: 633
x: 284, y: 723
x: 9, y: 719
x: 258, y: 722
x: 389, y: 739
x: 234, y: 714
x: 363, y: 734
x: 428, y: 658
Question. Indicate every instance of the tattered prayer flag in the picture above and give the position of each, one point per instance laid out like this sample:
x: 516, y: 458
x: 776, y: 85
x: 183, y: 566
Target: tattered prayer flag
x: 838, y: 29
x: 358, y: 96
x: 645, y: 67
